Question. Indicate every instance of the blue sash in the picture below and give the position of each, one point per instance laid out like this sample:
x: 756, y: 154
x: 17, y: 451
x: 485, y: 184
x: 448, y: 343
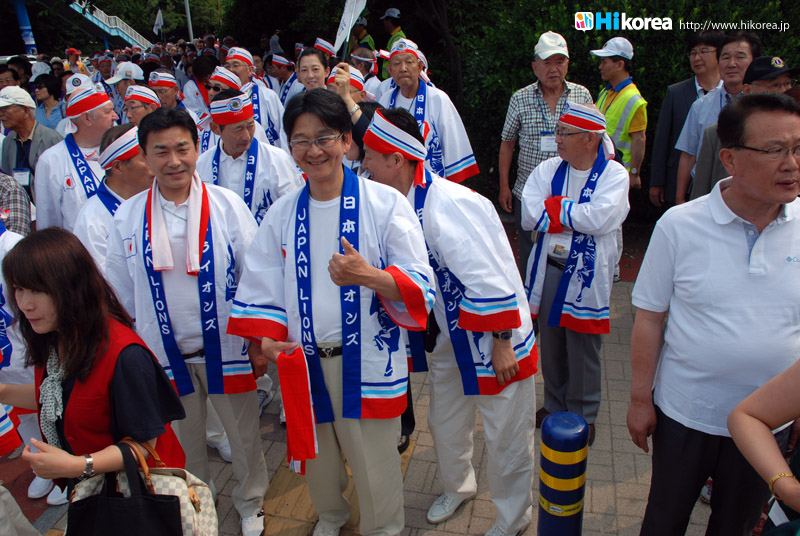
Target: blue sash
x: 272, y: 134
x: 434, y: 158
x: 350, y: 306
x: 452, y: 293
x: 5, y: 320
x: 108, y: 199
x: 583, y: 245
x: 249, y: 174
x: 286, y: 87
x: 208, y: 316
x: 85, y: 172
x: 205, y: 139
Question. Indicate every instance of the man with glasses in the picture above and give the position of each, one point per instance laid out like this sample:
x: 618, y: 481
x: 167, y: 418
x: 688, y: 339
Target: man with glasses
x: 674, y: 109
x: 140, y: 101
x: 339, y: 267
x: 722, y: 272
x: 735, y: 56
x: 767, y: 74
x: 575, y: 203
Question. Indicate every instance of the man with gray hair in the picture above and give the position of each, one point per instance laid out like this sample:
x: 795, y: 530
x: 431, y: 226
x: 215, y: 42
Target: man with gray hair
x: 716, y: 303
x: 531, y: 118
x: 68, y: 173
x: 574, y: 202
x: 27, y: 140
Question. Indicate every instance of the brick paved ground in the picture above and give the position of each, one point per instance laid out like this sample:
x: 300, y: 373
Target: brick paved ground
x: 618, y: 474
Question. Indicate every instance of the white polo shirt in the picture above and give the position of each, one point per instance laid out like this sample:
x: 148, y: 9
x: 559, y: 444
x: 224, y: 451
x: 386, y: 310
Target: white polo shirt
x: 734, y: 312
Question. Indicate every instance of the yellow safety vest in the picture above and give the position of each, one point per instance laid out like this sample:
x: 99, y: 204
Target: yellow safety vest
x: 619, y: 115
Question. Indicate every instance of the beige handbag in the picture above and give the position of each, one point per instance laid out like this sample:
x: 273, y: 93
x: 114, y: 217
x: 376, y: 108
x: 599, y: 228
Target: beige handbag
x: 198, y: 513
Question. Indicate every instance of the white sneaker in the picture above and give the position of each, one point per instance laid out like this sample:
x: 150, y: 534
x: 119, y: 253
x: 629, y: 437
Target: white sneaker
x: 494, y: 531
x: 224, y: 449
x: 322, y: 530
x: 444, y: 507
x: 264, y: 398
x: 253, y: 525
x: 39, y: 487
x: 57, y: 497
x: 705, y: 493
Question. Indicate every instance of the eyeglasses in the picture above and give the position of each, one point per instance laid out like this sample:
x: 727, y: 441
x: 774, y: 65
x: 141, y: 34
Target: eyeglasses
x: 209, y: 87
x: 773, y: 153
x: 701, y: 52
x: 321, y: 142
x: 132, y: 107
x: 776, y: 86
x: 560, y: 133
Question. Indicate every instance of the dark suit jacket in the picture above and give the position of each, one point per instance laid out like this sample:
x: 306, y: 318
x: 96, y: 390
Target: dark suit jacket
x: 43, y: 139
x: 665, y: 158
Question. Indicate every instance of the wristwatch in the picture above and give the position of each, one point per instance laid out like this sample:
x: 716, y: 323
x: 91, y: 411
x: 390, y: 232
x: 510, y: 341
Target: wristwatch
x: 88, y: 471
x: 634, y: 171
x: 354, y: 110
x: 504, y: 335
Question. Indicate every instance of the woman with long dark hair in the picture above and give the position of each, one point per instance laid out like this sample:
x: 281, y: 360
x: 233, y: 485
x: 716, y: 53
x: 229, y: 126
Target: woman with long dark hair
x: 95, y: 381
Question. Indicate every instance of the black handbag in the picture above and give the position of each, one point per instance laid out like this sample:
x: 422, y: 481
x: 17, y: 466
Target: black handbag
x: 110, y: 512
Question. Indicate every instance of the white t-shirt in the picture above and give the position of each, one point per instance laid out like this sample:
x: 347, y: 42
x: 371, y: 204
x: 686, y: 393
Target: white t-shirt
x: 734, y: 314
x: 404, y: 103
x: 180, y: 288
x: 559, y: 245
x: 324, y: 242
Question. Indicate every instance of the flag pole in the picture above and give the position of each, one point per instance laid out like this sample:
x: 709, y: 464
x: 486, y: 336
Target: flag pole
x: 349, y: 37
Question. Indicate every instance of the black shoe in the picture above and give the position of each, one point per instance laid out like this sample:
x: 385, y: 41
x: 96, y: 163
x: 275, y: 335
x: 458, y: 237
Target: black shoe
x: 402, y: 445
x: 540, y: 417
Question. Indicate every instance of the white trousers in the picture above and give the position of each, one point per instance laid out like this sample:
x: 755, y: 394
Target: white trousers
x: 509, y: 420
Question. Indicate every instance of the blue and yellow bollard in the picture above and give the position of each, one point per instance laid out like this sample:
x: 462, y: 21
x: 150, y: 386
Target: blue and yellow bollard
x: 562, y: 474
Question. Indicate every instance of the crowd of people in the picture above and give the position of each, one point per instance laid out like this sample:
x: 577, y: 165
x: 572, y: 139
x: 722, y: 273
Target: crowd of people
x: 175, y: 219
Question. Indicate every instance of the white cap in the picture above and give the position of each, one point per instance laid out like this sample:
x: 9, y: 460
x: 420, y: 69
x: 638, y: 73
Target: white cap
x: 361, y: 20
x: 551, y: 43
x: 617, y: 46
x: 392, y: 12
x: 39, y: 68
x: 15, y: 95
x: 78, y: 81
x: 126, y: 71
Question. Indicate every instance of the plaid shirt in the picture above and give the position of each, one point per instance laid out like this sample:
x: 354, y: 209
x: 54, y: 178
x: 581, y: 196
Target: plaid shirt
x: 15, y: 206
x: 528, y: 116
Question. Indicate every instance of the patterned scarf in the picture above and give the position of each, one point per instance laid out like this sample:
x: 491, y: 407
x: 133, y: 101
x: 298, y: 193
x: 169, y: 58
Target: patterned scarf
x: 51, y: 398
